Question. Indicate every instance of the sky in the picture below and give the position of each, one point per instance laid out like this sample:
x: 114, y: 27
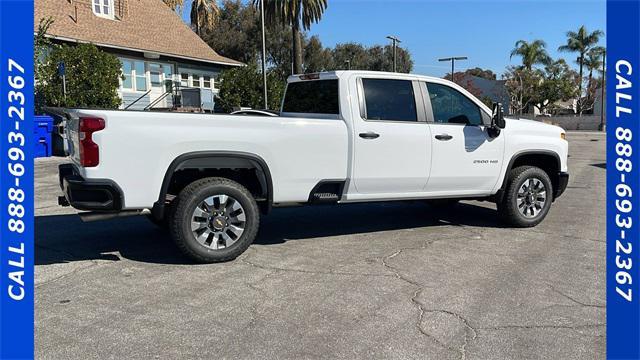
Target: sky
x: 484, y: 31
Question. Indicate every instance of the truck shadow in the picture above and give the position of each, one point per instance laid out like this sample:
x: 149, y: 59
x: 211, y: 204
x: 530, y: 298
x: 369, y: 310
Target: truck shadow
x: 65, y: 238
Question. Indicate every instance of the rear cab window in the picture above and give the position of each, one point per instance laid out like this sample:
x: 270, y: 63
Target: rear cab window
x: 312, y: 97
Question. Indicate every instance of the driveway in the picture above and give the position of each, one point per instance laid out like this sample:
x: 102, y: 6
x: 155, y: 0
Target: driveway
x: 385, y: 280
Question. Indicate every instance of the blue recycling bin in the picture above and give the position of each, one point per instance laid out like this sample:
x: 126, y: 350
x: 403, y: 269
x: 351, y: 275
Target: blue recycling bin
x: 42, y: 128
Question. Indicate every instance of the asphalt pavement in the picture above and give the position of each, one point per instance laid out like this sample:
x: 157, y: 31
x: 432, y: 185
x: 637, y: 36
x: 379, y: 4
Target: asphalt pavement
x: 386, y: 280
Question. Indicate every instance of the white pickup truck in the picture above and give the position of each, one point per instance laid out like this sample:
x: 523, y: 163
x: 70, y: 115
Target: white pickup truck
x: 340, y: 137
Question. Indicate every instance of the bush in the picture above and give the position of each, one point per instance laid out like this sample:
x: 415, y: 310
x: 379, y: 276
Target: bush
x: 91, y: 75
x: 242, y: 87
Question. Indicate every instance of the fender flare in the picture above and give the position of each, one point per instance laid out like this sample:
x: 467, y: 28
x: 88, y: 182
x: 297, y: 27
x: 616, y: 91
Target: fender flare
x: 520, y: 154
x: 212, y: 159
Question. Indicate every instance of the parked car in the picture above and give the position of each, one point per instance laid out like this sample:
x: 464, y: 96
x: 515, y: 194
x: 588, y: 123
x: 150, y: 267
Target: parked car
x: 341, y: 137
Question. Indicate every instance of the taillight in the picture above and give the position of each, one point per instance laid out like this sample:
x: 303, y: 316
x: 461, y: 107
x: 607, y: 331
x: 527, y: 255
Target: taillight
x: 89, y: 152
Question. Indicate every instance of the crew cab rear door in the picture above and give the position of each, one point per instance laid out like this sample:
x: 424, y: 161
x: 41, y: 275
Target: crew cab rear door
x: 392, y: 150
x: 466, y: 160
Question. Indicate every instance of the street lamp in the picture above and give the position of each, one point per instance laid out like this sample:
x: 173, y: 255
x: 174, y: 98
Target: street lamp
x: 453, y: 62
x: 264, y: 56
x: 396, y: 41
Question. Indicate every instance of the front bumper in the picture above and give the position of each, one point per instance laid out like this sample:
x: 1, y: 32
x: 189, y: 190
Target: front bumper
x: 563, y: 181
x: 89, y: 195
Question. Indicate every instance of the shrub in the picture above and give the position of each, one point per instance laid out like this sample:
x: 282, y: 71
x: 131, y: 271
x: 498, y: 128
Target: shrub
x: 242, y: 87
x: 91, y: 78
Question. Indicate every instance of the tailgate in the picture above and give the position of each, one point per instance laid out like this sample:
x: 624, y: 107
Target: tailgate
x: 68, y: 130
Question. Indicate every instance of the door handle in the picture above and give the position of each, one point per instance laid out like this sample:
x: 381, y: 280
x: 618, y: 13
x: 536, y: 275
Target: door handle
x: 369, y: 135
x: 444, y: 137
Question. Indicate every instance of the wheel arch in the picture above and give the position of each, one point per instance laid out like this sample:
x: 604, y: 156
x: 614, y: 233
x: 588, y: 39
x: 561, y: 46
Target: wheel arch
x: 547, y: 160
x: 216, y: 160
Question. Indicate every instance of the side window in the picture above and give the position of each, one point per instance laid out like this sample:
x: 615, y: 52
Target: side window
x: 452, y: 107
x: 127, y: 71
x: 391, y: 100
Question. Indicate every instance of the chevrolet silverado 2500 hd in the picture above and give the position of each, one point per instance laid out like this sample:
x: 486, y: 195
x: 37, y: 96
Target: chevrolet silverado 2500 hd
x: 340, y: 137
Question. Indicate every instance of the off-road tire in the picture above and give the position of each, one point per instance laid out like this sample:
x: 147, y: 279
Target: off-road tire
x: 508, y: 207
x: 184, y: 205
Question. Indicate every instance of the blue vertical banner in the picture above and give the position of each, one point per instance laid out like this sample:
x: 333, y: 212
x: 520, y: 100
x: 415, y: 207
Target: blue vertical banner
x: 16, y: 179
x: 623, y: 180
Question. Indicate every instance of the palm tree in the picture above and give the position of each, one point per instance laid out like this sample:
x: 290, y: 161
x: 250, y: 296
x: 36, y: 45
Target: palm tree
x: 174, y: 4
x: 531, y: 53
x: 203, y: 14
x: 593, y: 61
x: 581, y: 42
x: 299, y: 14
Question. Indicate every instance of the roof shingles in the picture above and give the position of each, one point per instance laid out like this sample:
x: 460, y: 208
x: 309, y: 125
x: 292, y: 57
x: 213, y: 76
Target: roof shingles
x: 145, y: 25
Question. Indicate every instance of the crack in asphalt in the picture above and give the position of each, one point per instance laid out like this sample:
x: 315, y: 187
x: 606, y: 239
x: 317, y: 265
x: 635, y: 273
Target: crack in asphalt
x: 314, y: 272
x: 571, y: 327
x: 254, y: 286
x: 414, y: 299
x: 599, y: 306
x: 92, y: 263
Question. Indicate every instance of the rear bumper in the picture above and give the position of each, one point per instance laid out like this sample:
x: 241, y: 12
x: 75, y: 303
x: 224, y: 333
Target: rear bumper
x: 563, y: 180
x: 89, y: 195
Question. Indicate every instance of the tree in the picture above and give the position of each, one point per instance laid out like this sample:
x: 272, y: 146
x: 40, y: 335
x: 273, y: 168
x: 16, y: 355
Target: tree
x: 299, y: 15
x: 521, y: 84
x: 236, y: 32
x: 482, y: 73
x: 203, y: 14
x: 558, y: 84
x: 316, y: 57
x: 242, y: 87
x: 350, y: 55
x: 581, y: 42
x: 174, y: 5
x: 531, y: 53
x: 41, y: 46
x: 593, y: 62
x: 92, y: 78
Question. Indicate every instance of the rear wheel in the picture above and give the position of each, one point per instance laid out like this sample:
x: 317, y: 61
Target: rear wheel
x: 528, y: 196
x: 214, y: 220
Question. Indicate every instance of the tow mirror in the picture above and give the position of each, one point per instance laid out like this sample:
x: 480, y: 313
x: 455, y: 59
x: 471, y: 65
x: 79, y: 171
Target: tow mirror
x: 497, y: 119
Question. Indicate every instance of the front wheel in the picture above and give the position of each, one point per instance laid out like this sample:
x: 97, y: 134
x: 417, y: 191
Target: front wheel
x: 214, y: 220
x: 528, y: 196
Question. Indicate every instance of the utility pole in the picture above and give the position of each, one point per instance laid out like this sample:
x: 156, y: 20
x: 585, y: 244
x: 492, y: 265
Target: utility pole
x: 395, y: 41
x: 453, y: 62
x: 264, y: 56
x: 604, y: 69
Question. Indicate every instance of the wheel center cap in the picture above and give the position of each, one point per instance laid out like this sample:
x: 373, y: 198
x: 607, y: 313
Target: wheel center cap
x: 529, y: 199
x: 218, y: 223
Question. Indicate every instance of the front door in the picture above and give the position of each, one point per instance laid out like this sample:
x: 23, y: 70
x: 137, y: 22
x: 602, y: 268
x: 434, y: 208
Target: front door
x: 466, y: 160
x: 392, y: 148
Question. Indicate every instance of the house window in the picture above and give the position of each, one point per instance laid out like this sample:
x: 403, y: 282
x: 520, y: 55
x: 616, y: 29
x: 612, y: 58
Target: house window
x: 103, y: 8
x: 207, y: 82
x: 127, y: 71
x: 197, y: 81
x: 184, y: 80
x: 140, y: 76
x: 155, y: 71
